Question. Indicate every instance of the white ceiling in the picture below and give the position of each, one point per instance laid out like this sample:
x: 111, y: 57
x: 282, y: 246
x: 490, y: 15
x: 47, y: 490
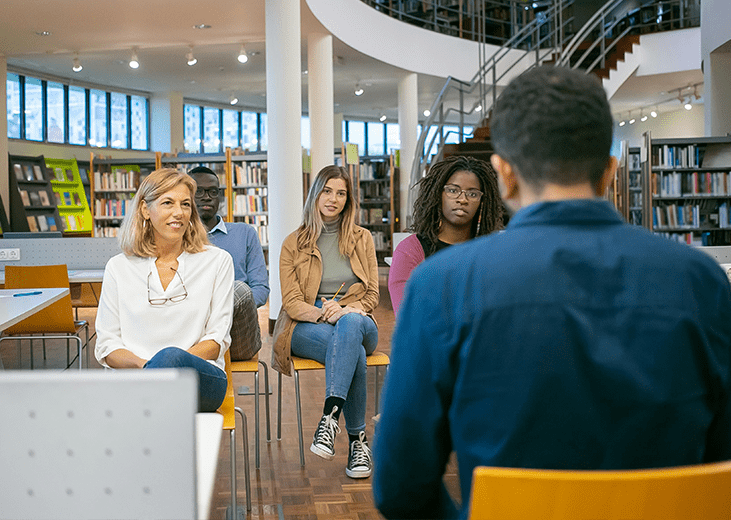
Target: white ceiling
x: 103, y: 34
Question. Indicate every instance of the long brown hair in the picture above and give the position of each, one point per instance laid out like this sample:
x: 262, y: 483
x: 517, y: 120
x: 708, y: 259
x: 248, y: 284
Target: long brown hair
x: 137, y: 239
x: 309, y: 230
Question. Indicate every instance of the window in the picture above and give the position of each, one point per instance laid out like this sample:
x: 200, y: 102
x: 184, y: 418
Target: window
x: 211, y: 130
x: 230, y: 128
x: 55, y: 113
x: 376, y: 139
x: 263, y: 140
x: 97, y: 118
x: 344, y: 132
x: 356, y: 135
x: 249, y: 139
x: 192, y: 129
x: 77, y: 115
x: 305, y: 132
x: 139, y: 115
x: 12, y: 86
x: 33, y: 109
x: 431, y: 134
x: 451, y: 134
x: 393, y: 137
x: 119, y: 120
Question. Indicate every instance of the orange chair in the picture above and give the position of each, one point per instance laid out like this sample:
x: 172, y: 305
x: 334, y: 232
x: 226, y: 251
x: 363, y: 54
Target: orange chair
x: 228, y: 409
x: 252, y: 366
x: 682, y: 493
x: 56, y: 319
x: 377, y: 359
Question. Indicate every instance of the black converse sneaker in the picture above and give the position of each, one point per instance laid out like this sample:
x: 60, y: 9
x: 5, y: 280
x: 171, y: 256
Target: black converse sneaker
x: 323, y: 442
x: 360, y: 464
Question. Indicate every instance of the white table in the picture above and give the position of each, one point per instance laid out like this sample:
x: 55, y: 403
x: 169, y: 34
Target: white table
x: 14, y: 310
x: 208, y: 428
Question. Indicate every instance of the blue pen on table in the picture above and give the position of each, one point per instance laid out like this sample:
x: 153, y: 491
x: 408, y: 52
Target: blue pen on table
x: 34, y: 293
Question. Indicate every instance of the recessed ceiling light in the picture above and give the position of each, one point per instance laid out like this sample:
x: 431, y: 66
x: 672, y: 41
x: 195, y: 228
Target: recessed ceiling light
x: 242, y: 57
x: 382, y: 118
x: 43, y: 33
x: 427, y: 112
x: 202, y: 26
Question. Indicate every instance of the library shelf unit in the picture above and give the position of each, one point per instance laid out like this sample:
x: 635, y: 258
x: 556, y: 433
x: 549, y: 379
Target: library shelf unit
x: 250, y: 194
x: 113, y: 186
x: 33, y: 204
x: 628, y: 184
x: 378, y: 198
x: 689, y: 193
x: 73, y: 206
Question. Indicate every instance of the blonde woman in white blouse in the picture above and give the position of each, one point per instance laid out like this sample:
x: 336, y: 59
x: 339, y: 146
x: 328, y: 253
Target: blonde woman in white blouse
x: 167, y: 299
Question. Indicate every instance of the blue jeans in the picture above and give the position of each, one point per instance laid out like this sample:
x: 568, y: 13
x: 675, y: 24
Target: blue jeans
x: 342, y: 348
x: 212, y: 380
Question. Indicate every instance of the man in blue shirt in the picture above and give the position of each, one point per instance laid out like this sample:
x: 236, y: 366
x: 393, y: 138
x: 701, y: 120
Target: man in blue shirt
x: 570, y: 341
x: 251, y: 286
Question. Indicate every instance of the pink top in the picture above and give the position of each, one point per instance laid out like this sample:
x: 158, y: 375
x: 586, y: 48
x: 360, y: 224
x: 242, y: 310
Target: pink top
x: 406, y: 257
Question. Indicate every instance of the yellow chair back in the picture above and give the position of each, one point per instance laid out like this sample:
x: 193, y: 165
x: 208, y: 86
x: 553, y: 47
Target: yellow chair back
x: 682, y: 493
x: 57, y: 317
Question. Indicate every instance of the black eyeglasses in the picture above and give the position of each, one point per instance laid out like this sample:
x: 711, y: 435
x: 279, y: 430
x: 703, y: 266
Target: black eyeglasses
x: 455, y: 192
x: 211, y: 192
x: 162, y: 301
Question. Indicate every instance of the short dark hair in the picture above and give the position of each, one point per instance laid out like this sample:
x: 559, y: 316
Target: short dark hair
x: 553, y: 125
x: 428, y: 204
x: 203, y: 170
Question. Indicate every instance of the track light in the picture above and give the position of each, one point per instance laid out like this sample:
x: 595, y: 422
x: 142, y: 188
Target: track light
x: 77, y: 65
x: 191, y: 59
x: 358, y: 91
x: 687, y: 105
x: 233, y: 99
x: 427, y: 112
x: 631, y: 119
x: 478, y: 108
x: 622, y: 122
x: 382, y: 118
x: 643, y: 117
x: 243, y: 58
x: 134, y: 62
x: 653, y: 113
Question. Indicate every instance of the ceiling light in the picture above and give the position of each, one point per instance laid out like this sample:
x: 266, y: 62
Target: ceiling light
x: 478, y: 108
x: 43, y: 33
x: 243, y: 58
x: 233, y: 99
x: 358, y: 91
x: 77, y: 65
x: 622, y: 123
x: 687, y: 105
x: 191, y: 59
x: 632, y: 120
x: 202, y: 26
x: 653, y: 113
x: 427, y: 112
x: 643, y: 117
x: 382, y: 118
x: 134, y: 62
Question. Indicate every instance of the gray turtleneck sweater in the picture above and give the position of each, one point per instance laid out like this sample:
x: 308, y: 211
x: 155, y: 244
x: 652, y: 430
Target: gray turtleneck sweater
x: 335, y: 267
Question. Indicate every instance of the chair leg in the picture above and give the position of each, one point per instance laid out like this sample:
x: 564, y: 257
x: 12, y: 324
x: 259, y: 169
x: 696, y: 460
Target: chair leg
x: 279, y: 403
x: 44, y: 349
x: 247, y: 471
x: 299, y: 416
x: 233, y: 507
x: 256, y: 416
x: 375, y: 397
x: 266, y: 398
x: 32, y: 364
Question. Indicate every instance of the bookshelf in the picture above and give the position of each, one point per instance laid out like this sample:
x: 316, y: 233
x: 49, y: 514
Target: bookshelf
x: 250, y: 194
x: 378, y: 198
x: 113, y: 186
x: 68, y: 185
x: 33, y: 203
x: 690, y: 189
x: 628, y: 183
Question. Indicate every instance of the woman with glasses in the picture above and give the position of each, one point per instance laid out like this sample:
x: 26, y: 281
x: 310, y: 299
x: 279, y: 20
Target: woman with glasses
x: 458, y: 200
x: 167, y: 299
x: 329, y: 279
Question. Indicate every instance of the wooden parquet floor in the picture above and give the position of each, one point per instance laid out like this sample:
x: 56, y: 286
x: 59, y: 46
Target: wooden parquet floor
x: 280, y: 488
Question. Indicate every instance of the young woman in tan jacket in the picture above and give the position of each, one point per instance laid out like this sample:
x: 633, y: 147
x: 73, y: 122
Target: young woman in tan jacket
x: 329, y: 280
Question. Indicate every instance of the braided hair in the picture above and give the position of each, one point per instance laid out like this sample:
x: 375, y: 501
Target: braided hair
x: 427, y: 213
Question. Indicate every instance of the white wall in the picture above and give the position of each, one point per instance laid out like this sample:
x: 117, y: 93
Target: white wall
x: 657, y: 59
x: 680, y: 123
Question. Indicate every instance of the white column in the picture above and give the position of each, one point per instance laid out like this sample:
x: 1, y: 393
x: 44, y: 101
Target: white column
x: 167, y: 122
x: 320, y: 99
x: 284, y: 111
x: 717, y: 94
x: 408, y: 120
x: 4, y: 178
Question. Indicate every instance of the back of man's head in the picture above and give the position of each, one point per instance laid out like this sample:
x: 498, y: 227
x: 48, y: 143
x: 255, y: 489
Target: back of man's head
x: 553, y: 125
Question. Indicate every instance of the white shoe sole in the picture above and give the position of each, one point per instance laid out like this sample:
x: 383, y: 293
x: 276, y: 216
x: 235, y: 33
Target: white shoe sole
x: 321, y: 453
x: 358, y: 473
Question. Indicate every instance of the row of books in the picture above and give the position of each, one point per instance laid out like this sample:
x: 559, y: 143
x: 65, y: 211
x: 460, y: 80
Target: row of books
x: 118, y: 179
x: 679, y: 184
x: 253, y: 200
x: 373, y: 216
x: 43, y: 223
x: 374, y: 190
x: 34, y: 172
x: 116, y: 207
x: 106, y: 231
x: 691, y: 216
x: 668, y: 156
x: 251, y: 173
x: 693, y: 239
x: 374, y: 170
x: 41, y: 198
x: 380, y: 240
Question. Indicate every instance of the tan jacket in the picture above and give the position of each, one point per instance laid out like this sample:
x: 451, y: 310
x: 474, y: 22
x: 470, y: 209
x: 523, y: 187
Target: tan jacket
x: 300, y: 273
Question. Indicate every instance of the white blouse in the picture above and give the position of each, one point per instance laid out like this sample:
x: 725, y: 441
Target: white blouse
x: 126, y: 319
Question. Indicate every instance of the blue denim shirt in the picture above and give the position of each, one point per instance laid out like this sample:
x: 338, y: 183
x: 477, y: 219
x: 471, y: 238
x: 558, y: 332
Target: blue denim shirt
x: 570, y: 341
x: 242, y: 243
